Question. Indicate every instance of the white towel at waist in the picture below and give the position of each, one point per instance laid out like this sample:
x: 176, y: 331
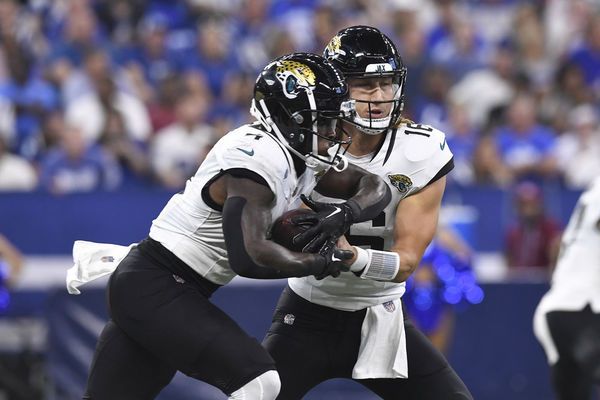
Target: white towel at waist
x: 542, y: 330
x: 92, y: 261
x: 382, y: 351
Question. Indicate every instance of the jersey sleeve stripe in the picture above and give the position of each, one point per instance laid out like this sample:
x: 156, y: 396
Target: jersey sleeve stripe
x: 238, y: 173
x: 442, y: 172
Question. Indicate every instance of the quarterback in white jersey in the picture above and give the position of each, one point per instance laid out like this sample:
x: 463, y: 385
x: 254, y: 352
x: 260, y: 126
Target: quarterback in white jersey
x: 161, y: 318
x: 362, y: 309
x: 567, y: 320
x: 411, y: 157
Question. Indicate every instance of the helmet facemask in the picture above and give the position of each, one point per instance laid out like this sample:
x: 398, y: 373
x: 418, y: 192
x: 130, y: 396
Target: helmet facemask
x: 362, y: 52
x: 300, y: 130
x: 296, y: 98
x: 375, y: 126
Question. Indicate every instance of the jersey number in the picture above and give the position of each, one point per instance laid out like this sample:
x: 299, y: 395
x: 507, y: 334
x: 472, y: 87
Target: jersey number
x: 418, y: 129
x: 374, y: 242
x: 257, y: 136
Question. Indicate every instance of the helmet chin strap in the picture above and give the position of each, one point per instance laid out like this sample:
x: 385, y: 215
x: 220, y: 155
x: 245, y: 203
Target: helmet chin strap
x: 265, y: 122
x: 362, y: 123
x: 339, y: 164
x: 343, y: 161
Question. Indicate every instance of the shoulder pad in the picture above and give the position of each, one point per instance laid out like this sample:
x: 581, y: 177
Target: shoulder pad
x: 421, y: 142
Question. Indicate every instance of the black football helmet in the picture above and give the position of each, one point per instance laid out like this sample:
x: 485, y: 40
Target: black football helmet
x: 299, y: 98
x: 365, y: 52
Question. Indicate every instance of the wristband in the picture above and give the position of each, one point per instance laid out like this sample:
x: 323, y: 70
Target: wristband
x: 382, y: 265
x: 362, y: 260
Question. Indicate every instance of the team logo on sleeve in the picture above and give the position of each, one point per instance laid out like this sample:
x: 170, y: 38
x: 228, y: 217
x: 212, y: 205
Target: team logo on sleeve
x: 401, y: 182
x: 293, y: 75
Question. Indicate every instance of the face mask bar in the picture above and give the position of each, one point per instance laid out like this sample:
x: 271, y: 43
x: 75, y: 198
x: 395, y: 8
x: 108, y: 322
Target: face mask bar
x: 326, y: 121
x: 312, y: 159
x: 339, y: 161
x: 375, y: 126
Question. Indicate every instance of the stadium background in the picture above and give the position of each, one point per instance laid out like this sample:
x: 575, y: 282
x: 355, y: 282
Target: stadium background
x: 172, y: 62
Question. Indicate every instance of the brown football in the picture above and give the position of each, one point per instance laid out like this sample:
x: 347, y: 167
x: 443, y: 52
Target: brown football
x: 283, y: 230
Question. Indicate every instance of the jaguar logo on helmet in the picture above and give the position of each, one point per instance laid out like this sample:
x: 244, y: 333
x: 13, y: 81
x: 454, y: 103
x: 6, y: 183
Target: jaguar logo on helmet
x: 401, y: 182
x: 294, y: 75
x: 333, y: 48
x: 299, y: 98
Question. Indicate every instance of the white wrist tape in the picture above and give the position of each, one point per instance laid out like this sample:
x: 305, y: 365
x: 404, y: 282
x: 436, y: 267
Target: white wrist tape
x: 382, y: 265
x: 362, y: 259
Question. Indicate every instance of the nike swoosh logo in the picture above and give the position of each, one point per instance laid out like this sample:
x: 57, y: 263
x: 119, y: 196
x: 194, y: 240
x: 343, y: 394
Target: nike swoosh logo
x: 337, y: 210
x: 334, y: 258
x: 250, y: 153
x: 443, y: 145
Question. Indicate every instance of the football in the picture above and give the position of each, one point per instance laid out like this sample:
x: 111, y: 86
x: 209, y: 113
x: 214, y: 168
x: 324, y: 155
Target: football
x: 283, y: 230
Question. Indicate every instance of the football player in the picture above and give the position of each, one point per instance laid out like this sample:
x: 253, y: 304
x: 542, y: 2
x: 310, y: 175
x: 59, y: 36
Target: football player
x: 354, y: 326
x: 567, y: 320
x: 158, y: 297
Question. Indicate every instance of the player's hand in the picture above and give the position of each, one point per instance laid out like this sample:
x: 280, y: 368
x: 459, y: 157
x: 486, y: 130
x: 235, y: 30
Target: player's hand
x: 335, y: 260
x: 330, y: 222
x: 343, y: 243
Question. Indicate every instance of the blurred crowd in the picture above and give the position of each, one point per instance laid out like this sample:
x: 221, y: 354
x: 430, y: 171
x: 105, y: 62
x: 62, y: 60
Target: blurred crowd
x: 112, y: 94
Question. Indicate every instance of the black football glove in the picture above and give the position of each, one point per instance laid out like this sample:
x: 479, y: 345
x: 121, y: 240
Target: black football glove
x: 331, y: 221
x: 334, y: 256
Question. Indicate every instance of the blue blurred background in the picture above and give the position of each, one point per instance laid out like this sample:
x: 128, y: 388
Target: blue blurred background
x: 108, y: 106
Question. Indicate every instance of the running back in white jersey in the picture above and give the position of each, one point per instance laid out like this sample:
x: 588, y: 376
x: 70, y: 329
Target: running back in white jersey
x: 576, y: 279
x: 410, y: 158
x: 190, y: 225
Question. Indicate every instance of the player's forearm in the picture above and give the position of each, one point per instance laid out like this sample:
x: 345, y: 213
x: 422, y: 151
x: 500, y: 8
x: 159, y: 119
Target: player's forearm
x: 272, y: 261
x: 409, y: 261
x: 404, y: 272
x: 372, y: 196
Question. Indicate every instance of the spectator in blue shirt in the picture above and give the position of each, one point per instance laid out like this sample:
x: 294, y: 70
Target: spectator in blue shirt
x: 74, y: 166
x: 587, y: 56
x: 251, y: 35
x: 30, y: 96
x: 80, y: 34
x: 150, y: 53
x: 463, y: 140
x: 213, y: 55
x: 430, y: 107
x: 526, y: 147
x: 463, y: 51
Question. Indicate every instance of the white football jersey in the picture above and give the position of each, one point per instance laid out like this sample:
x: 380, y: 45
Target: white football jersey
x: 409, y: 159
x: 576, y: 279
x: 192, y: 230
